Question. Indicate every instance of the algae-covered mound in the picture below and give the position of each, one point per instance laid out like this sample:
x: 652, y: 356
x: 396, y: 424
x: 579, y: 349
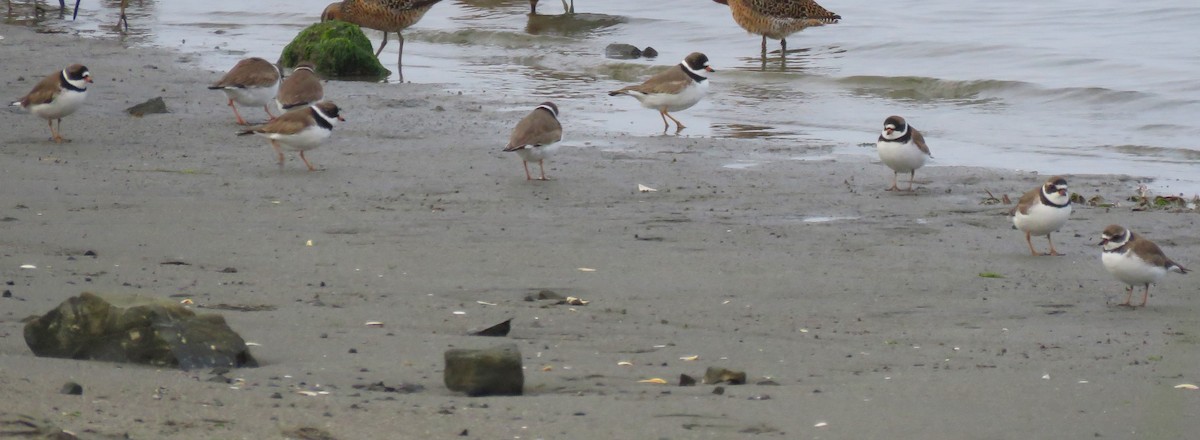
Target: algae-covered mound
x: 135, y: 329
x: 337, y: 49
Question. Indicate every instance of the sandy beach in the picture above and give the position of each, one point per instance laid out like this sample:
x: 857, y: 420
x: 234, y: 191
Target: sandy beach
x: 856, y: 313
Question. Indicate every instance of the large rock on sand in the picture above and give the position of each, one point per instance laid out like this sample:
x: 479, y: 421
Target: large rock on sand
x: 491, y: 372
x: 136, y: 329
x: 337, y: 49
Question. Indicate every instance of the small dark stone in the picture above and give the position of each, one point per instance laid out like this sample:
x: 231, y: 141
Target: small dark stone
x: 580, y: 413
x: 152, y: 106
x: 767, y: 382
x: 353, y: 351
x: 686, y: 381
x: 71, y: 388
x: 649, y: 52
x: 276, y: 395
x: 545, y: 294
x: 622, y: 51
x: 7, y: 294
x: 464, y: 433
x: 228, y: 270
x: 498, y: 330
x: 89, y: 253
x: 719, y: 391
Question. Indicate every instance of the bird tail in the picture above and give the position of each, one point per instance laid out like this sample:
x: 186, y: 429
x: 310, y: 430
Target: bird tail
x: 246, y: 132
x: 1175, y: 266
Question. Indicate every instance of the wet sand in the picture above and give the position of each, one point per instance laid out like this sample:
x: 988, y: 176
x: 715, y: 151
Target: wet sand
x: 876, y: 324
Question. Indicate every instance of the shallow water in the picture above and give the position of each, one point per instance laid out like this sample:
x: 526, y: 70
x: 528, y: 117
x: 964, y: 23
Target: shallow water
x: 1073, y: 86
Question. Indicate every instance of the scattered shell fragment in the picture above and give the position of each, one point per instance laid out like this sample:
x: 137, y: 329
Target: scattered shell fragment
x: 28, y: 266
x: 690, y: 358
x: 820, y: 425
x: 308, y: 243
x: 586, y: 269
x: 486, y: 303
x: 575, y: 301
x: 548, y: 368
x: 629, y: 364
x: 1046, y: 376
x: 459, y: 312
x: 307, y: 393
x: 656, y: 380
x: 373, y: 323
x: 1186, y: 386
x: 253, y: 344
x: 645, y: 189
x: 187, y: 301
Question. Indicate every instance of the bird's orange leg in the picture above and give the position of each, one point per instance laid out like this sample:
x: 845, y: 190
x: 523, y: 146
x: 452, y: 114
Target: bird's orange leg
x: 279, y: 151
x: 240, y: 121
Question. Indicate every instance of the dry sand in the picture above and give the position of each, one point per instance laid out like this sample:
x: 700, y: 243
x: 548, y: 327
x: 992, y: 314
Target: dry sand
x: 873, y: 325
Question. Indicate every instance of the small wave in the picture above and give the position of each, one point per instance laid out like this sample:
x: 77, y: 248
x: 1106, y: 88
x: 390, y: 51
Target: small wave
x: 1155, y: 153
x: 485, y: 37
x: 917, y: 88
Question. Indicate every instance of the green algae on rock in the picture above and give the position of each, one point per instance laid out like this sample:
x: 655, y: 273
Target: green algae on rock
x: 136, y: 329
x: 337, y: 49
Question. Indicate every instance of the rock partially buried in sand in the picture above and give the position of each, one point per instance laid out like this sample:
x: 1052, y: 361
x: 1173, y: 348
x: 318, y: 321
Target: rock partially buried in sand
x: 718, y: 375
x: 152, y: 106
x: 337, y: 49
x: 490, y: 372
x: 135, y: 329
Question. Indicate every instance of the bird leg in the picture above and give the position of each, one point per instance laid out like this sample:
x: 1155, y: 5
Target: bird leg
x: 279, y: 151
x: 400, y: 57
x: 1052, y: 251
x: 1128, y: 297
x: 527, y: 176
x: 912, y: 175
x: 122, y: 18
x: 894, y: 187
x: 268, y: 109
x: 240, y: 121
x: 764, y: 46
x: 568, y: 10
x: 1145, y: 294
x: 542, y: 169
x: 384, y: 43
x: 678, y: 125
x: 310, y: 167
x: 783, y: 46
x: 1029, y: 241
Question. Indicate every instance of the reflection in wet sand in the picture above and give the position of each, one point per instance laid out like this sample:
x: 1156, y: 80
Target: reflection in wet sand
x: 571, y: 25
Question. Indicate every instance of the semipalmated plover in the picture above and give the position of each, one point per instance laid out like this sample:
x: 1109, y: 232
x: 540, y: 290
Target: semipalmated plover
x: 902, y: 148
x: 1134, y: 260
x: 536, y: 137
x: 301, y: 88
x: 776, y: 19
x: 1042, y: 211
x: 251, y: 82
x: 674, y: 89
x: 382, y: 15
x: 58, y: 95
x: 300, y: 129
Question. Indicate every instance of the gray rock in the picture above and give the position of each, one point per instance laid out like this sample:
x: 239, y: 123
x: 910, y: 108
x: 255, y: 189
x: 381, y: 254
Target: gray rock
x: 489, y: 372
x: 136, y: 329
x: 152, y: 106
x: 649, y: 52
x: 71, y: 388
x: 622, y: 51
x: 720, y: 375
